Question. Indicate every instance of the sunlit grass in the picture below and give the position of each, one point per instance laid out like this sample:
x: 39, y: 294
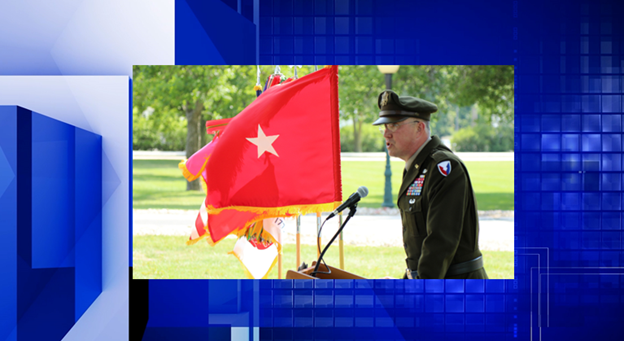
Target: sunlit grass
x: 168, y: 257
x: 160, y: 184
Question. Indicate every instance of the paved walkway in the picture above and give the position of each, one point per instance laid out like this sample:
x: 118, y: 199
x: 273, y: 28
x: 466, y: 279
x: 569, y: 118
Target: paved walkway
x: 367, y: 227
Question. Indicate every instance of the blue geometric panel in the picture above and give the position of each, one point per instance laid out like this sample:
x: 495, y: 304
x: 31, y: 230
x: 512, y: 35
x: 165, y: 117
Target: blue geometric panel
x: 198, y: 42
x: 88, y: 219
x: 6, y: 172
x: 8, y: 221
x: 51, y: 219
x: 53, y: 239
x: 551, y: 142
x: 199, y: 27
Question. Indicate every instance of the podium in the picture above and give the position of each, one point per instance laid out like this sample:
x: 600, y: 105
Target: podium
x: 335, y: 273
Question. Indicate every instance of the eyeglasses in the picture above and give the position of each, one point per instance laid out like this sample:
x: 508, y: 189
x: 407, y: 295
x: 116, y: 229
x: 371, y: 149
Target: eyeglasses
x: 393, y: 126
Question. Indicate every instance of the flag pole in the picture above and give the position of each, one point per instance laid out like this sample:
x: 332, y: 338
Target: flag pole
x: 258, y: 87
x: 318, y: 234
x: 341, y: 242
x: 279, y: 257
x: 298, y: 241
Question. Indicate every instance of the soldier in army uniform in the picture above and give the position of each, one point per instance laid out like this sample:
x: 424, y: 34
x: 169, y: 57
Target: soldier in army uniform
x: 436, y: 200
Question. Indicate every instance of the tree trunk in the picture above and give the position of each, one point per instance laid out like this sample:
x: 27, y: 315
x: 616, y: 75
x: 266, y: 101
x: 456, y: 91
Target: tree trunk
x: 475, y: 114
x: 357, y: 135
x: 193, y: 138
x: 456, y: 117
x: 360, y: 137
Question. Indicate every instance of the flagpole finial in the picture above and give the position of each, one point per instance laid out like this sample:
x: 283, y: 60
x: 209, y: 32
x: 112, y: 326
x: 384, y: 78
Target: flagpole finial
x: 295, y: 66
x: 258, y: 86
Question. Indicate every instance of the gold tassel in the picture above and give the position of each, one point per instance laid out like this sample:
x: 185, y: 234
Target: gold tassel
x: 187, y: 174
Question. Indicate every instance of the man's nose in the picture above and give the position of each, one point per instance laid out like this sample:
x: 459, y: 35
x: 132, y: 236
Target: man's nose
x: 387, y: 133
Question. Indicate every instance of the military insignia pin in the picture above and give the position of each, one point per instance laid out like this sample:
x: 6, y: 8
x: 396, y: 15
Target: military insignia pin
x: 384, y: 98
x: 412, y: 201
x: 424, y: 171
x: 444, y: 167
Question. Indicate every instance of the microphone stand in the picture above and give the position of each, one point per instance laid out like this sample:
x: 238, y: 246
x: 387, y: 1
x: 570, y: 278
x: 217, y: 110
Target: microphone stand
x: 352, y: 210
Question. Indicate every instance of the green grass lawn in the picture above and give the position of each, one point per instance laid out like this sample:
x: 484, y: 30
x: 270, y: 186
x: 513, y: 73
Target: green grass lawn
x: 168, y: 257
x: 160, y: 184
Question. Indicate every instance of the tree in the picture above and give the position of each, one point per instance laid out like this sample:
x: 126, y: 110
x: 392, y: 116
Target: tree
x: 489, y: 86
x: 359, y: 88
x: 452, y: 87
x: 182, y: 91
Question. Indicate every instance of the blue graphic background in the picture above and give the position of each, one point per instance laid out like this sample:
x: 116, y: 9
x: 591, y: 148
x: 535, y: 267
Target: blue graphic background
x: 68, y: 286
x: 568, y: 169
x: 52, y: 224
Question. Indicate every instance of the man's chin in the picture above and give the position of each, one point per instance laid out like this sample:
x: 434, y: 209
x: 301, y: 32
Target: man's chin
x: 393, y: 154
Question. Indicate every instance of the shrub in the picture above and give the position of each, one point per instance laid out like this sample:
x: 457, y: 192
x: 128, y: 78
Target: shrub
x: 148, y: 135
x: 372, y: 140
x: 483, y: 138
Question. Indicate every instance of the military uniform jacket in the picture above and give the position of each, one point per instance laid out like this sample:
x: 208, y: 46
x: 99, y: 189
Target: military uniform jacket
x: 439, y: 214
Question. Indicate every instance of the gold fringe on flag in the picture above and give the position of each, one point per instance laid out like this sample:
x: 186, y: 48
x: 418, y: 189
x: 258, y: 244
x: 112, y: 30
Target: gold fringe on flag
x: 271, y: 212
x: 202, y: 237
x: 187, y: 174
x: 276, y: 212
x: 264, y: 213
x: 194, y: 241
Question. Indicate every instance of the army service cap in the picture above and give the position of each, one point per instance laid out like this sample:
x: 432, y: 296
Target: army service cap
x: 394, y: 108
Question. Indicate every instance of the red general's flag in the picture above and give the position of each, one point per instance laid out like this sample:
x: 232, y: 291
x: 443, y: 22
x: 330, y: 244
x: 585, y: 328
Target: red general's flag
x: 229, y: 220
x: 278, y: 157
x: 195, y: 167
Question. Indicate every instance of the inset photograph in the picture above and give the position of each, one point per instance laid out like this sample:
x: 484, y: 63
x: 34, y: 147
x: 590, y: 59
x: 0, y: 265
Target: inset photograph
x: 332, y: 172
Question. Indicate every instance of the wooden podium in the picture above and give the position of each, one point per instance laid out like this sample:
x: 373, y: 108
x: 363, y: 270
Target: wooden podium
x: 335, y: 273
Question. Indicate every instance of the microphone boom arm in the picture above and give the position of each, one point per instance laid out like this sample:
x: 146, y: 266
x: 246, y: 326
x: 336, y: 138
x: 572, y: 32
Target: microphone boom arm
x: 352, y: 211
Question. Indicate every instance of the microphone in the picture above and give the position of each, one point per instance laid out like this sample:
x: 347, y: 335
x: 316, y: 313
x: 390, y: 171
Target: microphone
x: 362, y: 192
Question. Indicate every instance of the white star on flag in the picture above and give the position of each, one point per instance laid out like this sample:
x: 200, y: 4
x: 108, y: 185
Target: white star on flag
x: 264, y: 143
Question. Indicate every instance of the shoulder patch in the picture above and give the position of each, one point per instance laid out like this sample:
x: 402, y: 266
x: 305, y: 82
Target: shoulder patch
x: 444, y: 167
